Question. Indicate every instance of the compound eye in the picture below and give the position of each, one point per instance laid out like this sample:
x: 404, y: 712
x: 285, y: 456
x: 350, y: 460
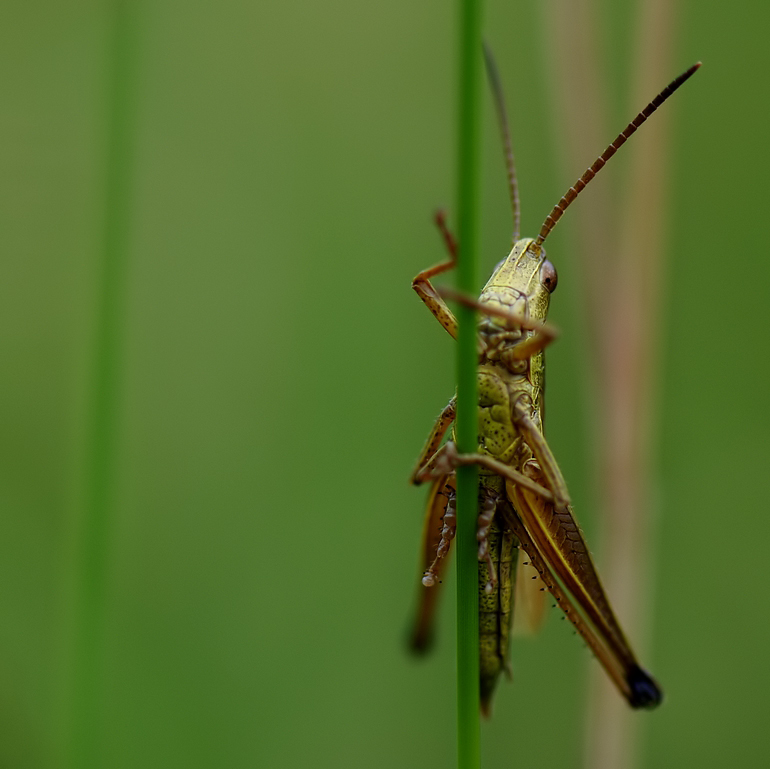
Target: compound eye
x: 548, y: 276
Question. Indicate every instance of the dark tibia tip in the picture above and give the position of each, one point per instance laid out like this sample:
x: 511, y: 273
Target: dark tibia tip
x: 420, y: 642
x: 645, y: 692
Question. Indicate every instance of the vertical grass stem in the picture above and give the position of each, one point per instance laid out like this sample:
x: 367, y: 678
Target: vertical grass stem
x: 470, y: 48
x: 91, y: 559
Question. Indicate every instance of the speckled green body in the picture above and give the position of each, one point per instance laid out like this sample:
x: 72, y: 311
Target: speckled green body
x: 515, y: 287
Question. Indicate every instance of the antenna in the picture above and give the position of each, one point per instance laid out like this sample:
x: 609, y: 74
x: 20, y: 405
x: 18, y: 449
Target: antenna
x: 580, y: 184
x: 497, y: 94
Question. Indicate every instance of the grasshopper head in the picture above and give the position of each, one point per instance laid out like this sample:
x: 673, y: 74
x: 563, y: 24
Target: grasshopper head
x: 523, y: 282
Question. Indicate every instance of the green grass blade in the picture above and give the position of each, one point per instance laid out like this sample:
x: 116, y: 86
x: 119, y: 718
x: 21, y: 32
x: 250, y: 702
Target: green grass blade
x: 467, y: 419
x: 91, y: 559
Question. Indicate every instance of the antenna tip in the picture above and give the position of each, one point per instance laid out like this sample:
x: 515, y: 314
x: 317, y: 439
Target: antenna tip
x: 692, y: 70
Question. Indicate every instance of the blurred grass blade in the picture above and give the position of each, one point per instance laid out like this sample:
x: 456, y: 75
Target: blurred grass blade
x: 620, y: 258
x: 91, y: 559
x: 630, y: 373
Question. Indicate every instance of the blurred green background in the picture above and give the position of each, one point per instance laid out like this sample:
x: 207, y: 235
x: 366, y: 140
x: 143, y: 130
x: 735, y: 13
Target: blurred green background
x: 278, y: 377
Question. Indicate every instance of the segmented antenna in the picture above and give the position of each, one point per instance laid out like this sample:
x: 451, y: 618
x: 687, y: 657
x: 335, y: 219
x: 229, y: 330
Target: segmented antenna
x: 573, y: 192
x: 497, y: 93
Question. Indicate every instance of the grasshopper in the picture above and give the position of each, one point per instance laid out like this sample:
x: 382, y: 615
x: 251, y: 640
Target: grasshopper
x: 523, y: 500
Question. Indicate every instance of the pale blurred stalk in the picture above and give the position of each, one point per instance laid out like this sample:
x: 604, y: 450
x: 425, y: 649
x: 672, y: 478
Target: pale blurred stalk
x: 621, y: 252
